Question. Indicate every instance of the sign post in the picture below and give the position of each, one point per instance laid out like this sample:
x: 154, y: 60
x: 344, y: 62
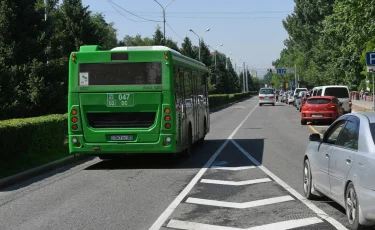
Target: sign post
x: 370, y: 62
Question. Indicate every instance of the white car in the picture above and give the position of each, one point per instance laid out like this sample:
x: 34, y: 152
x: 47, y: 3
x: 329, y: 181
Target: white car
x: 339, y: 91
x: 267, y: 96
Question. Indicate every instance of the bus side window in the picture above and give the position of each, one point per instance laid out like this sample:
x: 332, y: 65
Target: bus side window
x: 201, y: 88
x: 188, y: 89
x: 178, y: 86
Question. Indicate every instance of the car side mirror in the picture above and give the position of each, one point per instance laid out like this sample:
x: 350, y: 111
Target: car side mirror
x: 315, y: 137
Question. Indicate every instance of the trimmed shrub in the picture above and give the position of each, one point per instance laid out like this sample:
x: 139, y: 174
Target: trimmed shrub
x: 32, y: 141
x: 218, y: 100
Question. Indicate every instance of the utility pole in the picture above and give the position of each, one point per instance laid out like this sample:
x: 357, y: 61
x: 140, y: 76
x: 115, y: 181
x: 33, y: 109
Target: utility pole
x: 243, y: 78
x: 295, y: 76
x: 45, y: 19
x: 163, y: 15
x: 247, y: 78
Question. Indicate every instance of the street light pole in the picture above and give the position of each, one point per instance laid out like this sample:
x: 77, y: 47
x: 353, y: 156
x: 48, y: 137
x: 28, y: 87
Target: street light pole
x: 164, y: 15
x: 199, y: 40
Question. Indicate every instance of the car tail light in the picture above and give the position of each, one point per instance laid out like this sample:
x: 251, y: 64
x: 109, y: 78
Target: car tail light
x: 261, y: 97
x: 272, y: 97
x: 350, y: 104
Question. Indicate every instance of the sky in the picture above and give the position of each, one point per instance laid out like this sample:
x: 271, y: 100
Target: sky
x: 251, y: 30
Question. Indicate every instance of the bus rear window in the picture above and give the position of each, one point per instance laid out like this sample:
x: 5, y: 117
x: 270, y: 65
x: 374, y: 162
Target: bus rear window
x: 138, y: 73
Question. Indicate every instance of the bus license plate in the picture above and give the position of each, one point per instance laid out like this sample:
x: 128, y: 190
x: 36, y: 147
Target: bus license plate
x: 120, y: 99
x: 122, y: 138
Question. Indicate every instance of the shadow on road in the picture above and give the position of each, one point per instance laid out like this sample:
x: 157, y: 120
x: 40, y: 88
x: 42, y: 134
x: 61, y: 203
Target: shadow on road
x: 201, y: 154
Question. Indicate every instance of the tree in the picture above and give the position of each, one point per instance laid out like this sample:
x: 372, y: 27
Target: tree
x: 187, y: 48
x: 158, y: 37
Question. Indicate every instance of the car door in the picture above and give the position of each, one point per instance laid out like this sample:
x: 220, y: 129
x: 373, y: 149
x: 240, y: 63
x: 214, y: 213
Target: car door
x: 322, y: 157
x: 343, y: 156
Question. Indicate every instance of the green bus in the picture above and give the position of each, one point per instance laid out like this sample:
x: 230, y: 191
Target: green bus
x: 135, y: 100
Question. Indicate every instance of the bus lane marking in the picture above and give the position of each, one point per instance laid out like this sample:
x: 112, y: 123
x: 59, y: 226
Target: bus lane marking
x: 165, y: 215
x: 283, y: 225
x: 251, y: 204
x: 320, y: 213
x: 236, y: 183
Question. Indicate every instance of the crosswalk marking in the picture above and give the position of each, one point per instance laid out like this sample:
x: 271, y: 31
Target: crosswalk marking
x: 284, y: 225
x: 236, y: 183
x: 233, y: 168
x: 250, y: 204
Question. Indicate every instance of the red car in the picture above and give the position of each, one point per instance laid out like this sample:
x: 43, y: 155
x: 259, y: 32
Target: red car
x: 321, y: 108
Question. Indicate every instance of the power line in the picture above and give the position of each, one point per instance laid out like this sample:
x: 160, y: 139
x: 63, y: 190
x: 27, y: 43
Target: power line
x: 110, y: 3
x: 174, y: 31
x: 133, y: 13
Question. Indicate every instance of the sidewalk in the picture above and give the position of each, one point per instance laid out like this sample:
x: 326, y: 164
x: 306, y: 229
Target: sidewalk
x: 364, y: 105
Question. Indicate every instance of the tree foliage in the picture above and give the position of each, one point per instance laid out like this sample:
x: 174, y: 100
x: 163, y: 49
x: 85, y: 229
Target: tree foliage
x: 328, y: 40
x: 34, y: 53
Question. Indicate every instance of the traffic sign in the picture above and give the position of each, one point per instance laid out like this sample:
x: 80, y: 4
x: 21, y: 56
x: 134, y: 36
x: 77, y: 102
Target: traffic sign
x: 292, y: 83
x: 281, y: 71
x: 370, y: 58
x: 370, y: 69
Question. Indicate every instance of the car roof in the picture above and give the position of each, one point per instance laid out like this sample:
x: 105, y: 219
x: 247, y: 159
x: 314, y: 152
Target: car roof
x: 369, y: 115
x: 331, y: 86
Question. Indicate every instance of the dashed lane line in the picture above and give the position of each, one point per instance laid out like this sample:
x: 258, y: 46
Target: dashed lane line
x: 251, y: 204
x: 284, y: 225
x: 236, y: 183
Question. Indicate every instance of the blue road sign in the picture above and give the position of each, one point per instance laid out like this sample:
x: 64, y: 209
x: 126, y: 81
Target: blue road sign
x: 292, y: 83
x: 370, y: 58
x: 281, y: 71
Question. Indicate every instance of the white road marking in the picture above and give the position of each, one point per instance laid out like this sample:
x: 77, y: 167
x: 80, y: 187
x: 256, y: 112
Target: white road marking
x: 164, y: 216
x: 251, y: 204
x: 233, y: 168
x: 312, y: 206
x: 284, y: 225
x: 236, y: 183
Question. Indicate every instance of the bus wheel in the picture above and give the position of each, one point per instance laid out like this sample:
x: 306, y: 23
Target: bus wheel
x: 200, y: 141
x: 188, y: 151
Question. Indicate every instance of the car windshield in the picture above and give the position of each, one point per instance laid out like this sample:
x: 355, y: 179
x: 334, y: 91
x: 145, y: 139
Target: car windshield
x: 337, y: 92
x: 266, y: 91
x: 318, y: 101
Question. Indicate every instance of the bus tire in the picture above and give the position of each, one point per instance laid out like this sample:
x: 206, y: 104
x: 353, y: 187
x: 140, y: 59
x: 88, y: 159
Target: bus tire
x: 188, y: 151
x: 200, y: 141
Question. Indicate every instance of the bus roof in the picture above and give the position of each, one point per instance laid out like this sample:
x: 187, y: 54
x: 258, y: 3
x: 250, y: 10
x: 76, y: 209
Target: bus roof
x: 159, y: 48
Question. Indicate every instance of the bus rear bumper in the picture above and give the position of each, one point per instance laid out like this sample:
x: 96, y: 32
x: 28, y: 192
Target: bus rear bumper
x: 82, y: 147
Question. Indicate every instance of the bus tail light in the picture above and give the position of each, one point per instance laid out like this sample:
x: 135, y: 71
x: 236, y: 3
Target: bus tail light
x: 74, y: 127
x: 167, y: 111
x: 168, y: 139
x: 74, y: 119
x: 167, y: 125
x: 167, y: 118
x: 74, y: 112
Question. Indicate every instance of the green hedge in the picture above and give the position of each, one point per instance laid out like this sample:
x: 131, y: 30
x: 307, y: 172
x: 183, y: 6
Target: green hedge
x: 31, y: 142
x: 217, y: 100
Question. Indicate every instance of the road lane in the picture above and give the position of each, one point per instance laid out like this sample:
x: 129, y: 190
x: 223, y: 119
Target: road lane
x: 98, y: 194
x: 132, y: 194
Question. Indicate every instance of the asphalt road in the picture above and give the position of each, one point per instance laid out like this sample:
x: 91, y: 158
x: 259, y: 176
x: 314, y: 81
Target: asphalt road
x: 248, y: 173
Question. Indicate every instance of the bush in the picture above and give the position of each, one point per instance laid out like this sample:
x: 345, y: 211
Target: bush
x: 217, y: 100
x: 30, y: 142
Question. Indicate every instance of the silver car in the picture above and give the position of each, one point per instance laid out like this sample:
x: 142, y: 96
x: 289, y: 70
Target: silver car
x: 267, y: 96
x: 341, y: 166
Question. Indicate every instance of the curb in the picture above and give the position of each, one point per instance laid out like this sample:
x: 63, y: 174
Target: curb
x: 17, y: 178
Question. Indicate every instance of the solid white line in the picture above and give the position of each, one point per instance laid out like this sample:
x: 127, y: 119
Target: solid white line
x: 284, y: 225
x: 236, y: 183
x: 233, y: 168
x: 251, y: 204
x: 317, y: 210
x: 164, y: 216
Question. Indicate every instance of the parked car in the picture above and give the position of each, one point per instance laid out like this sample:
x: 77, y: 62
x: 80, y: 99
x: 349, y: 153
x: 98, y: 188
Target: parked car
x: 339, y: 91
x: 267, y: 96
x: 341, y: 166
x: 317, y: 109
x: 303, y: 100
x: 298, y: 98
x: 296, y: 92
x: 290, y: 99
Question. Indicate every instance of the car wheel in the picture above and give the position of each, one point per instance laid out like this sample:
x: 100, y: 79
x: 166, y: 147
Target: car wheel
x: 273, y: 104
x: 307, y: 180
x: 260, y: 104
x: 351, y: 207
x: 303, y: 122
